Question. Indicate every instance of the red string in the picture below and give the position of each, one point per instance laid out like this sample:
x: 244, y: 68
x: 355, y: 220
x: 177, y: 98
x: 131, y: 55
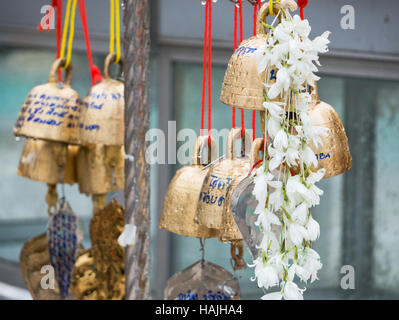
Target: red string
x: 256, y: 7
x: 302, y: 4
x: 204, y: 68
x: 94, y: 70
x: 209, y: 72
x: 233, y: 122
x: 58, y: 5
x: 241, y: 38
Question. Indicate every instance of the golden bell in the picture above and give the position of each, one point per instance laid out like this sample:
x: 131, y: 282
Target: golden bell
x: 103, y: 111
x: 221, y: 179
x: 100, y: 169
x: 334, y: 154
x: 243, y: 87
x: 51, y: 111
x: 34, y: 255
x: 49, y: 162
x: 181, y: 200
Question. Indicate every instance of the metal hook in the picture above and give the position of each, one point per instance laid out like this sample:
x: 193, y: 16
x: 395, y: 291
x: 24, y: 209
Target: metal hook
x: 202, y: 249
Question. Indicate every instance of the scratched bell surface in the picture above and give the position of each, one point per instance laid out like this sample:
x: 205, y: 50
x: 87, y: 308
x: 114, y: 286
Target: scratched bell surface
x: 102, y: 116
x: 64, y: 237
x: 243, y: 87
x: 48, y: 161
x: 34, y: 255
x: 203, y: 280
x: 181, y: 199
x: 51, y: 111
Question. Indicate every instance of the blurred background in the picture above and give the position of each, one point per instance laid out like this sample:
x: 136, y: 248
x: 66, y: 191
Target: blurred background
x: 359, y: 212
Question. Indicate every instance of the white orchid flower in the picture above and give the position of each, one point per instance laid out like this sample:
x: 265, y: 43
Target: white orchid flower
x: 273, y: 296
x: 297, y: 233
x: 274, y: 109
x: 292, y: 292
x: 262, y: 58
x: 313, y: 229
x: 280, y: 142
x: 320, y: 43
x: 309, y: 157
x: 265, y: 274
x: 300, y: 213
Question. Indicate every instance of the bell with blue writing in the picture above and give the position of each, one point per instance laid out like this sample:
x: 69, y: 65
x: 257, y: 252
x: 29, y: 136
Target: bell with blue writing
x: 243, y: 87
x: 182, y: 196
x: 203, y: 280
x: 51, y: 111
x: 220, y: 181
x: 101, y: 120
x: 333, y: 154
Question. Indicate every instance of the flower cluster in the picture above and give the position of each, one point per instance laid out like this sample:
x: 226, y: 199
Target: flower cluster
x: 285, y: 185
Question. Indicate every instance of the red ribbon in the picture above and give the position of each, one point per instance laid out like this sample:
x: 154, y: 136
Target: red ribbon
x: 94, y: 70
x: 302, y: 4
x: 207, y: 58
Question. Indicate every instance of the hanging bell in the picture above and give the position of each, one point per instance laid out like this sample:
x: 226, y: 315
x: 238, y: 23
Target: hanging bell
x: 203, y: 281
x: 181, y: 200
x: 47, y: 161
x: 103, y: 110
x: 243, y: 87
x: 220, y: 180
x: 100, y: 169
x: 334, y: 154
x: 51, y: 111
x: 34, y: 255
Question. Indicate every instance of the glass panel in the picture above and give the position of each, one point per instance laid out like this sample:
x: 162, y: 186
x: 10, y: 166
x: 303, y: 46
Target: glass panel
x: 386, y: 196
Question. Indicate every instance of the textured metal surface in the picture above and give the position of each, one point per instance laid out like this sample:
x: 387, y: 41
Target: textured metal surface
x: 137, y: 188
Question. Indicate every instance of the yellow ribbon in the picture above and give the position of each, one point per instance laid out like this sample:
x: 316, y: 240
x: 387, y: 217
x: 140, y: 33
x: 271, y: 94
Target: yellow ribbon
x: 271, y: 12
x: 69, y: 19
x: 114, y: 23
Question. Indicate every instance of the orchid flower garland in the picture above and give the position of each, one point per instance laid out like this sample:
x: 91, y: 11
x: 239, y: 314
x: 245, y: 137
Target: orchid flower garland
x: 285, y: 185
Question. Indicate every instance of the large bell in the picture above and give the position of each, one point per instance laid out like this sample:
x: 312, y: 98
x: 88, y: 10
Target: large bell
x: 334, y: 154
x: 243, y: 87
x: 47, y: 161
x: 103, y: 111
x: 100, y: 169
x: 213, y: 208
x: 181, y: 200
x: 51, y: 111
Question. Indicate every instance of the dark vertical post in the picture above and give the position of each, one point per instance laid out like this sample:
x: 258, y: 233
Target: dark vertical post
x: 361, y: 100
x: 137, y: 172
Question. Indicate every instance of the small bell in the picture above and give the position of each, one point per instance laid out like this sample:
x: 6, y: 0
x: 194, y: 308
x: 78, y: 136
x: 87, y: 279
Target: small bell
x: 102, y: 116
x: 100, y: 169
x: 51, y: 111
x: 47, y: 161
x: 203, y: 281
x: 334, y: 154
x: 181, y: 200
x: 243, y: 87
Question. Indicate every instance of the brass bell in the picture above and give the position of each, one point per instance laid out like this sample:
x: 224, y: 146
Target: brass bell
x: 100, y: 169
x: 334, y: 154
x: 213, y: 208
x: 102, y: 115
x: 203, y: 280
x: 47, y: 161
x: 51, y: 111
x: 181, y: 200
x: 243, y: 87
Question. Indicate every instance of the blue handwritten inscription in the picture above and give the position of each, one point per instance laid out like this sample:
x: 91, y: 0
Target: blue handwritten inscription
x: 215, y: 183
x: 245, y: 50
x: 209, y: 296
x: 272, y: 76
x: 96, y: 99
x: 322, y: 156
x: 49, y: 110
